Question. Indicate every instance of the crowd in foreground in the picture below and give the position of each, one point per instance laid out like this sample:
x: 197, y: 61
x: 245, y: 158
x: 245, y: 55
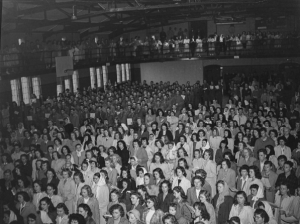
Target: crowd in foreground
x: 156, y: 154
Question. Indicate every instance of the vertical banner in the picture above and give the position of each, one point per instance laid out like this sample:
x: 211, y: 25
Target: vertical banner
x: 25, y: 82
x: 128, y: 72
x: 59, y: 89
x: 15, y: 90
x: 104, y: 69
x: 68, y: 84
x: 75, y: 78
x: 123, y: 73
x: 36, y: 86
x: 93, y: 77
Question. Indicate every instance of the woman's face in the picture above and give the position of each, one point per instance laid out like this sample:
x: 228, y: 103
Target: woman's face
x: 224, y: 165
x: 77, y: 179
x: 150, y: 204
x: 65, y: 175
x: 197, y: 212
x: 283, y: 190
x: 258, y: 219
x: 134, y: 199
x: 44, y: 205
x: 206, y: 156
x: 20, y: 183
x: 146, y: 180
x: 114, y: 197
x: 165, y: 188
x: 156, y: 175
x: 220, y: 188
x: 246, y: 153
x: 84, y: 193
x: 116, y: 214
x: 202, y: 198
x: 177, y: 194
x: 179, y: 173
x: 82, y: 212
x: 124, y: 174
x: 240, y: 199
x: 37, y: 188
x: 96, y: 179
x: 20, y: 199
x: 181, y: 153
x: 181, y: 163
x: 251, y: 173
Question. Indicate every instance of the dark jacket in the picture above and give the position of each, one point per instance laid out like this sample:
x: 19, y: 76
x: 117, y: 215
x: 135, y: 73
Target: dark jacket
x: 224, y: 209
x: 54, y: 181
x: 164, y: 204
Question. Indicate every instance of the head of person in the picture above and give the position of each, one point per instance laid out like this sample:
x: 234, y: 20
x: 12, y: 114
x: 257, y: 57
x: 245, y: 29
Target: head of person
x: 86, y: 191
x: 179, y: 193
x: 234, y: 220
x: 261, y: 216
x: 284, y: 189
x: 76, y: 219
x: 205, y: 196
x: 151, y: 202
x: 240, y: 198
x: 288, y: 166
x: 281, y: 160
x: 244, y: 171
x: 254, y: 189
x: 136, y: 198
x: 133, y: 216
x: 254, y: 172
x: 62, y: 210
x: 172, y: 208
x: 46, y: 205
x: 84, y: 210
x: 200, y: 211
x: 117, y: 211
x: 198, y: 182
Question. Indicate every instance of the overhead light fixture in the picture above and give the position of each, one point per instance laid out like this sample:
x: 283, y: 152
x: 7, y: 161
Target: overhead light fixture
x: 74, y: 16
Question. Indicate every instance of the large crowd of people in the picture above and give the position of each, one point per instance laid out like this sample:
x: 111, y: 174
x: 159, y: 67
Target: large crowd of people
x: 169, y: 43
x: 156, y: 153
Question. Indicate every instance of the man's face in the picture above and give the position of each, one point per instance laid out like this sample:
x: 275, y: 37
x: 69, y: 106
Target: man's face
x: 281, y: 162
x: 172, y: 210
x: 244, y: 173
x: 287, y: 168
x: 267, y: 168
x: 197, y: 184
x: 261, y: 156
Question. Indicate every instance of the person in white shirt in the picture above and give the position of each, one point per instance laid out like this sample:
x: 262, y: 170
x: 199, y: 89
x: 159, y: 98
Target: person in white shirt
x: 240, y: 118
x: 282, y: 149
x: 241, y: 208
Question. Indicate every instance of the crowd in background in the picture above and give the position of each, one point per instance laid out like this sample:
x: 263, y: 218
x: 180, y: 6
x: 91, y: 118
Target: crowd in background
x: 170, y: 43
x: 154, y: 153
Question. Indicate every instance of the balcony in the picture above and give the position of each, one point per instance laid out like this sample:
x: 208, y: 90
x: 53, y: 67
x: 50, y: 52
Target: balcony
x: 41, y: 62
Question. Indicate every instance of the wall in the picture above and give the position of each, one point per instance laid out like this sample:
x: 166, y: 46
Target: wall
x: 181, y: 71
x: 212, y: 28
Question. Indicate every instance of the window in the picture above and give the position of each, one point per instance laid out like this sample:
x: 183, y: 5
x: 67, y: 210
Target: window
x: 128, y: 72
x: 93, y: 77
x: 104, y: 69
x: 25, y: 82
x: 59, y: 89
x: 15, y: 90
x: 75, y: 78
x: 123, y: 73
x: 99, y: 77
x: 118, y: 73
x: 68, y: 84
x: 36, y: 86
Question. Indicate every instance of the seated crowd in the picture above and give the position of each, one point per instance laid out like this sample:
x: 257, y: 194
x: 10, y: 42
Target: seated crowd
x: 151, y: 153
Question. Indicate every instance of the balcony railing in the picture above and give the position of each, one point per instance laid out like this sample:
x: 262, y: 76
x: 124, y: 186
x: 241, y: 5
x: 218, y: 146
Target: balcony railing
x: 13, y: 63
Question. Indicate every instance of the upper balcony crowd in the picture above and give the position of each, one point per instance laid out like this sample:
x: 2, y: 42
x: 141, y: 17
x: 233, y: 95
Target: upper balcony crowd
x: 170, y: 44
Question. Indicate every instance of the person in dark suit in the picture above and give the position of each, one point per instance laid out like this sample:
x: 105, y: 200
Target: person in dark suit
x: 193, y: 193
x: 136, y: 202
x: 244, y: 180
x: 165, y: 196
x: 222, y: 202
x: 50, y: 179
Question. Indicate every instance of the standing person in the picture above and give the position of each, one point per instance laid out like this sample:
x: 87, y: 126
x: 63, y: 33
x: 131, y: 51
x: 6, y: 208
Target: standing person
x: 79, y: 183
x: 205, y: 199
x: 118, y: 215
x: 243, y: 182
x: 262, y: 142
x: 101, y: 192
x: 289, y: 177
x: 227, y: 174
x: 201, y: 213
x: 87, y: 197
x: 47, y: 213
x: 140, y: 153
x: 24, y: 206
x: 222, y: 202
x: 85, y: 211
x: 269, y: 174
x: 165, y: 196
x: 38, y: 194
x: 180, y: 179
x: 182, y: 209
x: 152, y: 215
x: 67, y: 189
x: 193, y: 193
x: 211, y: 169
x: 62, y: 214
x: 241, y: 208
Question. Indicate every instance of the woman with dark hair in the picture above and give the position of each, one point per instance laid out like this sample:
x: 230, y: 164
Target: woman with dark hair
x: 227, y: 174
x: 79, y: 183
x: 101, y: 192
x: 114, y: 199
x: 76, y: 219
x: 144, y: 192
x: 50, y: 179
x: 6, y: 162
x: 182, y: 209
x: 169, y: 219
x: 136, y: 202
x: 67, y: 190
x: 222, y: 202
x: 210, y: 168
x: 180, y: 179
x: 125, y: 174
x: 85, y: 211
x: 57, y: 163
x: 182, y: 153
x: 47, y: 212
x: 220, y: 151
x: 24, y: 206
x: 111, y: 172
x: 201, y: 214
x: 38, y: 155
x: 255, y: 178
x: 152, y: 189
x: 118, y: 215
x: 151, y: 214
x: 165, y: 196
x: 38, y: 194
x: 150, y: 117
x: 241, y: 208
x: 87, y: 197
x: 158, y: 161
x: 229, y: 139
x: 194, y: 143
x: 62, y: 214
x: 123, y: 152
x: 206, y: 200
x: 159, y: 176
x: 164, y: 131
x: 261, y: 216
x: 140, y: 153
x: 24, y: 185
x: 183, y: 163
x: 271, y: 155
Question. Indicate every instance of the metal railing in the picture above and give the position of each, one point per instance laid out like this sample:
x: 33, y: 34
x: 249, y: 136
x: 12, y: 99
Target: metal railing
x: 42, y: 60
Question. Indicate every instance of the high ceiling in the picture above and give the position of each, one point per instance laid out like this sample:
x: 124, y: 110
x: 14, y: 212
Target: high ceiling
x: 118, y: 16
